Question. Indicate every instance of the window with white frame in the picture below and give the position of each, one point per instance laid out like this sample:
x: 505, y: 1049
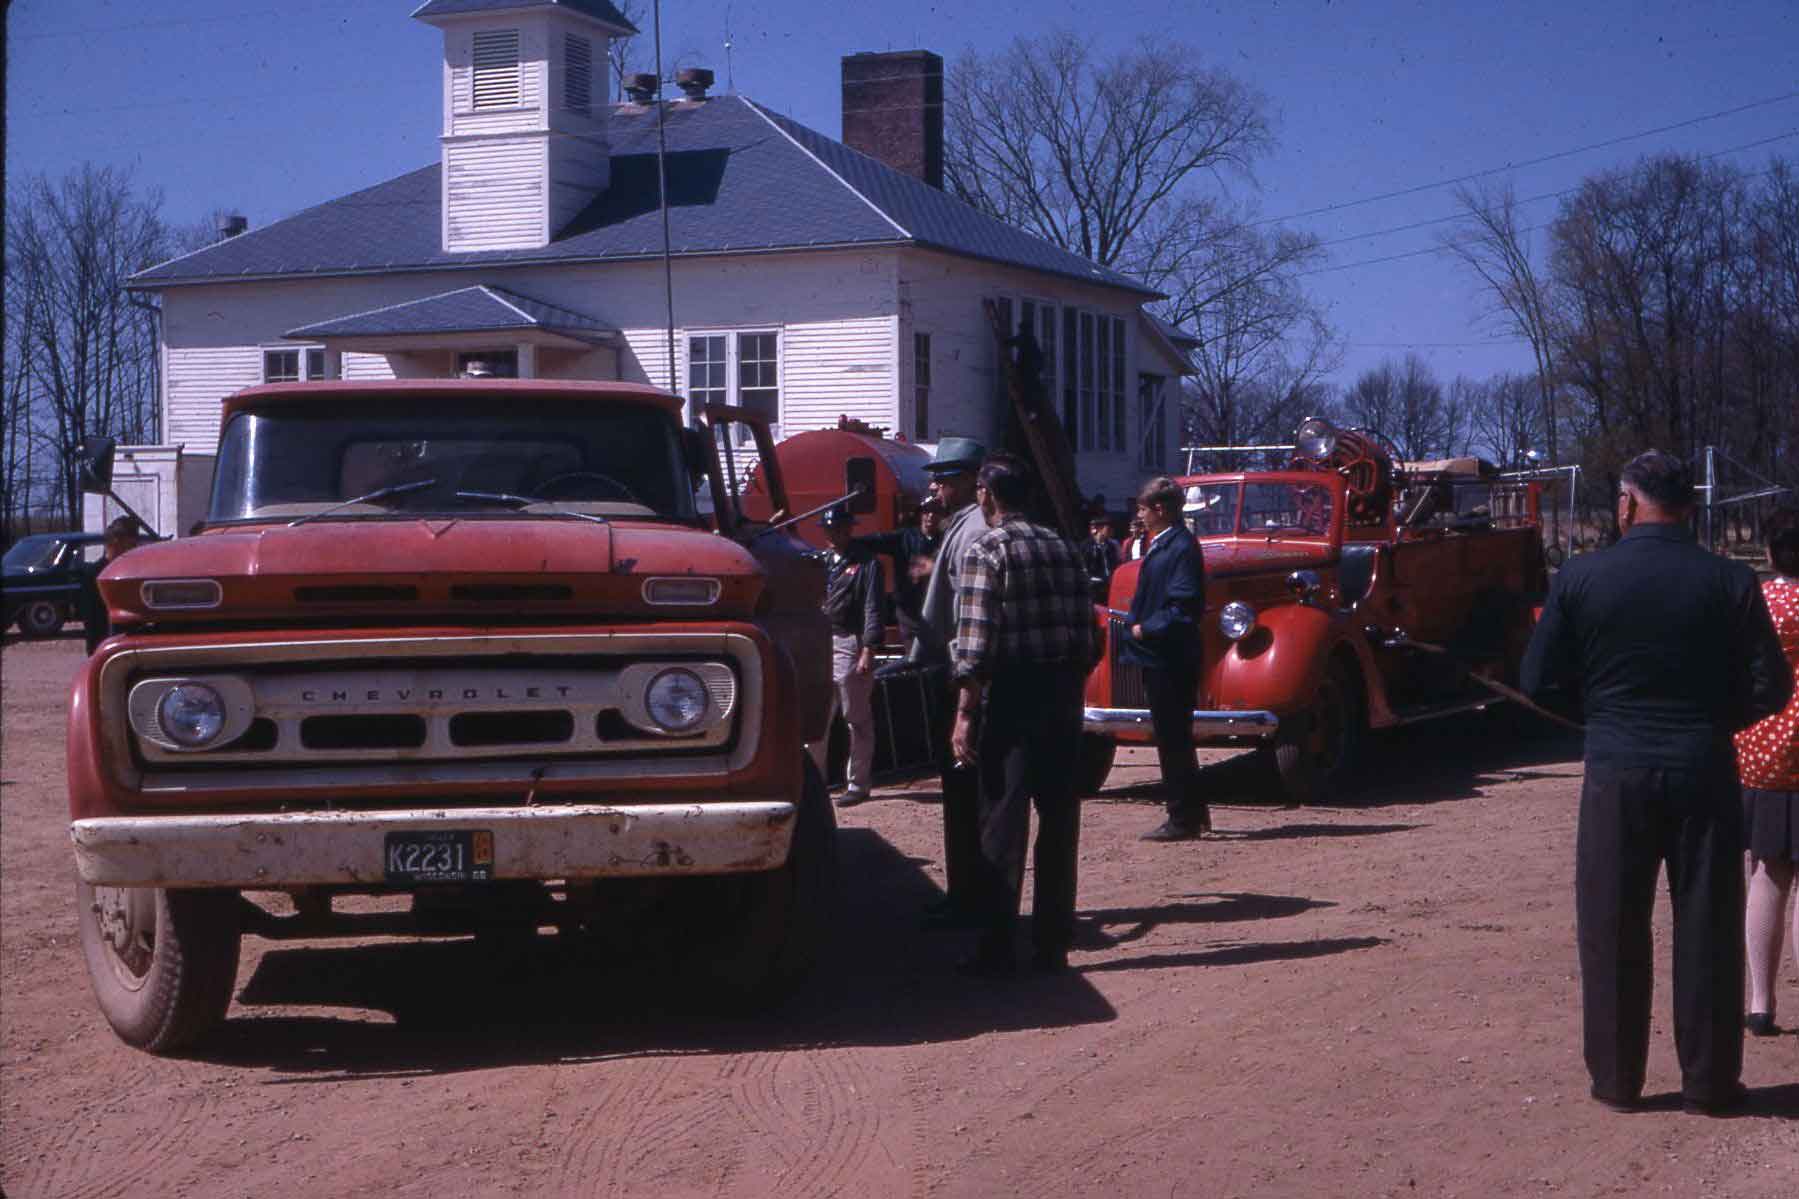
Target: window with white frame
x: 1152, y: 422
x: 495, y: 58
x: 577, y: 74
x: 1086, y: 357
x: 742, y: 368
x: 921, y: 386
x: 287, y: 365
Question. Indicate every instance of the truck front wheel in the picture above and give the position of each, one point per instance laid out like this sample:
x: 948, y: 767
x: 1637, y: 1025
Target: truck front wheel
x: 41, y: 618
x: 782, y: 915
x: 1314, y: 754
x: 162, y: 962
x: 1095, y: 763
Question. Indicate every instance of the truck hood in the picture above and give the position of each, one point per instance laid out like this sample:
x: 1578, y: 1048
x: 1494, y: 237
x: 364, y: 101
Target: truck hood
x: 482, y: 570
x: 1237, y: 556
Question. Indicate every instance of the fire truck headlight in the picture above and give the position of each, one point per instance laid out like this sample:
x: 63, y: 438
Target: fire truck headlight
x: 1237, y: 620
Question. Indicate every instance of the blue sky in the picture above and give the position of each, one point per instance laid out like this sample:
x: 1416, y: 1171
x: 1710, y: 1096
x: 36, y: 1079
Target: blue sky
x: 269, y: 108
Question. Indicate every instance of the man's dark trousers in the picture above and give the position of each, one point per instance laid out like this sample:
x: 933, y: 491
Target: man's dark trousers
x: 1028, y: 749
x: 961, y: 818
x: 1171, y: 692
x: 1632, y: 820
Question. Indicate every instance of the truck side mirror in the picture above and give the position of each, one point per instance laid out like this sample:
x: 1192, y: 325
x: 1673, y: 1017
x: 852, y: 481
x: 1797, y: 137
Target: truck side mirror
x: 859, y: 484
x: 93, y: 464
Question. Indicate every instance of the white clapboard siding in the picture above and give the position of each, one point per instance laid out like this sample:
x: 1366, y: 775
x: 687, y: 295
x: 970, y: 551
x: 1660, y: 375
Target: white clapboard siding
x: 494, y: 195
x: 580, y: 167
x: 367, y: 366
x: 839, y: 368
x: 198, y: 380
x: 650, y: 348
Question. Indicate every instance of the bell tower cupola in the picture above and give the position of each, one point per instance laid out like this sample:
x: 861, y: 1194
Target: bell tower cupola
x: 526, y: 101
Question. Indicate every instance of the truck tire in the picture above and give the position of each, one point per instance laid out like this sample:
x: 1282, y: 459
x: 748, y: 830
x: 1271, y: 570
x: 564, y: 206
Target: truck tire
x: 1314, y: 756
x: 41, y: 618
x: 162, y: 962
x: 1095, y: 763
x: 784, y: 914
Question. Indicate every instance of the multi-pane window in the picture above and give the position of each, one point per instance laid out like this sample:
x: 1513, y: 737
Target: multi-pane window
x: 1103, y: 371
x: 1152, y: 391
x: 736, y: 368
x: 284, y: 366
x: 1071, y: 359
x: 496, y: 68
x: 487, y: 364
x: 921, y: 386
x: 1089, y: 400
x: 1117, y: 371
x: 577, y: 74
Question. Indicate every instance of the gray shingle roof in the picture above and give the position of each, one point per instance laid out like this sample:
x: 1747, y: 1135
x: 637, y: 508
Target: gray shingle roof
x: 740, y: 179
x: 466, y: 310
x: 599, y: 10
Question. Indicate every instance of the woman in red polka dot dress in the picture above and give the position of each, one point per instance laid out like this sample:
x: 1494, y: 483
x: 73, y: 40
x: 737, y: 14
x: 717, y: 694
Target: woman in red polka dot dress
x: 1768, y: 759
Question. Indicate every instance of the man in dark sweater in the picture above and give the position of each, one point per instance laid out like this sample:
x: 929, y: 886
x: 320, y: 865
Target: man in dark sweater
x: 1671, y: 650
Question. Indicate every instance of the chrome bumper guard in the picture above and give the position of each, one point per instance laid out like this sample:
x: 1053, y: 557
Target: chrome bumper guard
x: 1258, y: 725
x: 548, y: 842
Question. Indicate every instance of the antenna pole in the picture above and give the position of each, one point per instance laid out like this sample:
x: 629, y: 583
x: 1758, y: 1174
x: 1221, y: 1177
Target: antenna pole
x: 668, y: 270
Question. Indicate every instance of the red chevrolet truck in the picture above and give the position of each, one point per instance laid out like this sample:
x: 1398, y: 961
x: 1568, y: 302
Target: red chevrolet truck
x: 510, y: 649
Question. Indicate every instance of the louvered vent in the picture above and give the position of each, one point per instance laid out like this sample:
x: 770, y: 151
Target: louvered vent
x: 577, y: 74
x: 496, y: 68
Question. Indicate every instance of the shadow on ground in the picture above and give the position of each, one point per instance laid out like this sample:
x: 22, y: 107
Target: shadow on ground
x: 1434, y: 762
x: 457, y: 1005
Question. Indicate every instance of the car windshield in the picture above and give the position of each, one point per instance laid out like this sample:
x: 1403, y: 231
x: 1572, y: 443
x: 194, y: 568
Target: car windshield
x: 31, y: 553
x: 1286, y: 509
x: 1211, y: 508
x: 378, y: 457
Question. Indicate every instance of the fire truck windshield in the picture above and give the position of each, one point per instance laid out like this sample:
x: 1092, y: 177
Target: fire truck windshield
x: 443, y: 459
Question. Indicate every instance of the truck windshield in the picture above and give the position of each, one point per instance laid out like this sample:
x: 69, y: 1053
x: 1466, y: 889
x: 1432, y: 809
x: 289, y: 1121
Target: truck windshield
x: 447, y: 459
x: 1287, y: 509
x: 1211, y: 508
x: 32, y: 553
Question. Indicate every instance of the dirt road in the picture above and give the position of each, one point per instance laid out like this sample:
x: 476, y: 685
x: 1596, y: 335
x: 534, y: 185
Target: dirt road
x: 1369, y: 1000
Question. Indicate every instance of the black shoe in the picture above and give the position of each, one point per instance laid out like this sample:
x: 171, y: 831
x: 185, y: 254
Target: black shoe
x: 1761, y: 1024
x: 1715, y: 1105
x: 850, y: 799
x: 982, y: 964
x: 1625, y: 1106
x: 1174, y: 830
x: 1049, y: 961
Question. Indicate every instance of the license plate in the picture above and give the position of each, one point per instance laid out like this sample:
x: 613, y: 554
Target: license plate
x: 439, y: 856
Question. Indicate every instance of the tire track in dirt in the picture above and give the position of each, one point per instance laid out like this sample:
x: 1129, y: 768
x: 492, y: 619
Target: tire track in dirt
x: 623, y: 1095
x: 814, y: 1111
x: 84, y: 1158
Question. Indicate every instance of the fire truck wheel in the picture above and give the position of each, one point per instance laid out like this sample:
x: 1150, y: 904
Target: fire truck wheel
x: 1314, y: 755
x: 1095, y: 763
x: 41, y: 618
x: 162, y: 962
x: 785, y: 913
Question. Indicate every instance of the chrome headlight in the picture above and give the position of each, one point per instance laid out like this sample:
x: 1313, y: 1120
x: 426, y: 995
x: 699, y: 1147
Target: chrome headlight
x: 1236, y: 620
x: 191, y: 714
x: 677, y: 700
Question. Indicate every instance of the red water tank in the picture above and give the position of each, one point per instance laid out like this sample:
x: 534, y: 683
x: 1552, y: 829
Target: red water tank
x: 824, y: 464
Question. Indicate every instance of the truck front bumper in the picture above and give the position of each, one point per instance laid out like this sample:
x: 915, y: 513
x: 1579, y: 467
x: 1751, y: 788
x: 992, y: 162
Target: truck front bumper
x: 1257, y: 725
x: 560, y: 841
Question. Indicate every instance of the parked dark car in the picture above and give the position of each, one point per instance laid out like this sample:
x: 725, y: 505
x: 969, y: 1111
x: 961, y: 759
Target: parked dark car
x: 44, y: 576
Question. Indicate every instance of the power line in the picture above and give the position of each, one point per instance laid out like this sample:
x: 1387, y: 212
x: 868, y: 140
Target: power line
x: 174, y: 22
x: 1529, y: 162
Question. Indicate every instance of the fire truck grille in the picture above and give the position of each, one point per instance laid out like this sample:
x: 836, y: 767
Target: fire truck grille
x: 1127, y: 677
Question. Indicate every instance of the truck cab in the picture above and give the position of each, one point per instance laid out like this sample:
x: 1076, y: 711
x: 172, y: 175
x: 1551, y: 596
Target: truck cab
x: 506, y: 648
x: 1346, y: 592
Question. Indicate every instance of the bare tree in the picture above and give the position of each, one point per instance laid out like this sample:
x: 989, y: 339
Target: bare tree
x: 623, y: 51
x: 87, y: 352
x: 1404, y: 402
x: 1507, y: 417
x: 1101, y: 158
x: 1492, y: 243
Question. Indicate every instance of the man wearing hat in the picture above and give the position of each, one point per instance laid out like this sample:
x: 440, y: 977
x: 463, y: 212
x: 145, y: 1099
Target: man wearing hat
x: 853, y: 606
x: 953, y: 469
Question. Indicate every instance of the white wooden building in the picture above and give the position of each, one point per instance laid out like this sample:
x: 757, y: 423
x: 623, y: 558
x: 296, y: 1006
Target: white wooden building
x: 811, y: 280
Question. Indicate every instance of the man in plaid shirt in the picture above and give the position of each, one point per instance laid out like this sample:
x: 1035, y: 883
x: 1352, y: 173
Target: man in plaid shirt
x: 1024, y: 643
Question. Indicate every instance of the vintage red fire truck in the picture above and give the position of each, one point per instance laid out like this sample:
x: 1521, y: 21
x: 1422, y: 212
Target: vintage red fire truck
x: 1345, y: 593
x: 510, y: 648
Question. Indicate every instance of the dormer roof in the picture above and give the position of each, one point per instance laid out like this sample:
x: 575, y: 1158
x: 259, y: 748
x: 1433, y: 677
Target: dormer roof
x: 597, y: 10
x: 741, y: 179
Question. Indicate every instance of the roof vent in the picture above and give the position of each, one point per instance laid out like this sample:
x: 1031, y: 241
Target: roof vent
x: 642, y: 87
x: 693, y: 82
x: 230, y: 224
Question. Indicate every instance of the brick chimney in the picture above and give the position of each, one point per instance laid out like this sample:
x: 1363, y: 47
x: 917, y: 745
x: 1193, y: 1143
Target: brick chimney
x: 893, y: 110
